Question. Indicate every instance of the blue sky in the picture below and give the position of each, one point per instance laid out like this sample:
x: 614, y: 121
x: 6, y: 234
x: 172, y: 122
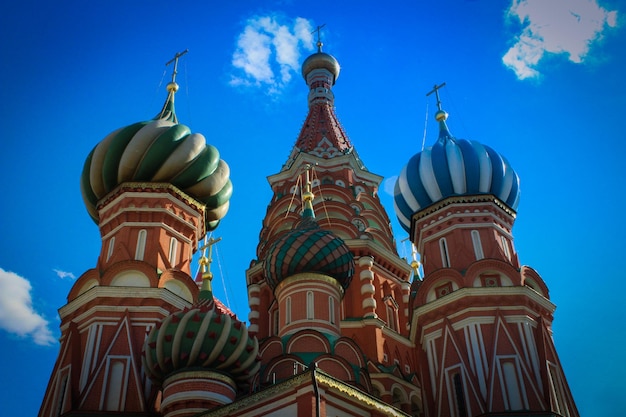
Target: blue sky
x: 541, y: 82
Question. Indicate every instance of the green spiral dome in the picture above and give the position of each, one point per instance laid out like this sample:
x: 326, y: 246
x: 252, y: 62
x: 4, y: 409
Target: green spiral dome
x: 308, y: 248
x: 200, y: 338
x: 159, y: 150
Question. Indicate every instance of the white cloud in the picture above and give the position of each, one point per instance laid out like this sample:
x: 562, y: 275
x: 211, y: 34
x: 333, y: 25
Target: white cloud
x: 566, y: 27
x: 16, y: 310
x: 389, y: 184
x: 268, y: 51
x: 64, y: 274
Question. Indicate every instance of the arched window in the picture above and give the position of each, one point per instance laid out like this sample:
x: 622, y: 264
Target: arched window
x: 505, y: 246
x: 288, y: 310
x: 115, y: 385
x: 276, y: 324
x: 141, y: 244
x: 111, y: 246
x: 478, y: 247
x: 459, y: 395
x: 391, y: 308
x: 396, y: 398
x: 513, y: 394
x: 172, y: 253
x: 443, y: 248
x: 310, y: 299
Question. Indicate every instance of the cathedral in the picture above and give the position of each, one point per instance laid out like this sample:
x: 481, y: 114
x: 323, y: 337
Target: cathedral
x: 339, y: 323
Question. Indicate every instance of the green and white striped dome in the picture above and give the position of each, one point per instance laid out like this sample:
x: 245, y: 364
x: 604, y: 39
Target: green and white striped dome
x: 160, y: 151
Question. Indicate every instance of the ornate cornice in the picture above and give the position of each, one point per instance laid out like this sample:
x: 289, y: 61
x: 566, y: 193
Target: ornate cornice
x: 478, y: 198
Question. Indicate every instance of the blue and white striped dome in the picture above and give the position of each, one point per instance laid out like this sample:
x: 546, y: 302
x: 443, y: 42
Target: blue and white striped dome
x: 453, y: 167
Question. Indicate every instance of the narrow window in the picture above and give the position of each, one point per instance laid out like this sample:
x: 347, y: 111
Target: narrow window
x: 141, y: 245
x: 309, y: 305
x: 61, y: 389
x: 459, y: 395
x: 111, y: 246
x: 557, y: 386
x: 115, y: 386
x: 478, y: 247
x: 173, y: 250
x: 505, y: 246
x: 443, y: 247
x: 513, y: 394
x: 288, y: 310
x: 391, y: 317
x: 331, y: 310
x: 276, y: 322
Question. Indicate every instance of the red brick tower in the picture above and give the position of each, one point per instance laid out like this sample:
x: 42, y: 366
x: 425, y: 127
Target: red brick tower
x: 356, y: 331
x: 481, y: 323
x: 154, y: 189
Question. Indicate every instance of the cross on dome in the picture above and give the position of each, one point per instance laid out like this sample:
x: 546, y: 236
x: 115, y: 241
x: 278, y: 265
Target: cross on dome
x: 319, y: 37
x: 441, y: 114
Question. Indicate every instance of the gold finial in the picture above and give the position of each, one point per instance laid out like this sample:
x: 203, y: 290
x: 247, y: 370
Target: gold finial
x: 172, y: 87
x: 440, y: 115
x: 307, y: 195
x: 205, y: 262
x: 415, y: 264
x: 319, y: 37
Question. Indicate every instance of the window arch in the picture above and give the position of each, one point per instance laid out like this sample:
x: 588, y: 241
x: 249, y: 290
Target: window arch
x: 173, y: 251
x: 111, y: 246
x: 288, y: 310
x: 276, y: 322
x: 141, y: 245
x: 443, y: 248
x: 478, y: 247
x: 310, y: 299
x: 459, y: 395
x: 505, y: 246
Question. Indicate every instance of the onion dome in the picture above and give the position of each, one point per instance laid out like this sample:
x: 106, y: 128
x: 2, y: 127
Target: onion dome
x: 204, y: 337
x: 308, y: 248
x: 453, y: 167
x: 159, y: 150
x: 321, y: 60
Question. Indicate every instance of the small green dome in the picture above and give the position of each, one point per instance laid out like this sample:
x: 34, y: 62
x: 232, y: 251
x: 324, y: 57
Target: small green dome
x: 308, y: 248
x: 201, y: 338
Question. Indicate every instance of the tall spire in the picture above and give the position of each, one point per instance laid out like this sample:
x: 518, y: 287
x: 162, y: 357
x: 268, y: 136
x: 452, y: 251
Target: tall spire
x: 322, y: 134
x: 441, y: 116
x: 167, y: 112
